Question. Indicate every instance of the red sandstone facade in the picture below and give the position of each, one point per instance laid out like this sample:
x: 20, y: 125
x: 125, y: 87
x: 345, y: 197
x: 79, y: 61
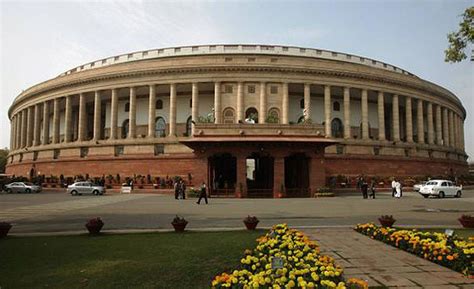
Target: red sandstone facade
x: 186, y: 111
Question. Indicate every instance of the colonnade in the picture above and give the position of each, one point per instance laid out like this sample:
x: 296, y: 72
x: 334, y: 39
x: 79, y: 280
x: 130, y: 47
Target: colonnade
x: 447, y: 130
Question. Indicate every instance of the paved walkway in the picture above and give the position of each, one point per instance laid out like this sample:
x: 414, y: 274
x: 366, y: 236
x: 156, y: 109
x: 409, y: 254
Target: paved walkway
x: 384, y: 265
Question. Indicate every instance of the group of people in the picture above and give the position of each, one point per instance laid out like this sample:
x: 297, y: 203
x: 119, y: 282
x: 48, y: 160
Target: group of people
x: 396, y: 188
x: 364, y: 188
x: 179, y: 190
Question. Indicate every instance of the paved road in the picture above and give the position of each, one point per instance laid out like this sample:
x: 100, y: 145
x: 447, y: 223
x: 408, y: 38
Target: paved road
x: 54, y: 212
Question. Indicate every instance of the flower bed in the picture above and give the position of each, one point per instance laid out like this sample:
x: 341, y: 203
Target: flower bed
x: 286, y: 258
x: 452, y: 252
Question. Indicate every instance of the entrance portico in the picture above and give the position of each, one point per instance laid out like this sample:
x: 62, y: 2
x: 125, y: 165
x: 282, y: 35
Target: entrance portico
x: 264, y: 165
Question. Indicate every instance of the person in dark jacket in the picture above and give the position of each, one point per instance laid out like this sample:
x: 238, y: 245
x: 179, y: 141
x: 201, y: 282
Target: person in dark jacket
x: 364, y: 188
x: 372, y: 189
x: 203, y: 193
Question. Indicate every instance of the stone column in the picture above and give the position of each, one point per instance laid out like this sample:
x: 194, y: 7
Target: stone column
x: 317, y: 177
x: 409, y: 119
x: 132, y: 116
x: 217, y: 102
x: 56, y: 121
x: 172, y: 109
x: 445, y: 127
x: 37, y: 128
x: 381, y: 115
x: 97, y: 116
x: 240, y: 101
x: 114, y: 114
x: 29, y: 128
x: 347, y: 113
x: 430, y: 123
x: 327, y: 110
x: 68, y: 120
x: 278, y: 175
x: 455, y: 130
x: 462, y: 134
x: 396, y: 118
x: 439, y: 136
x: 262, y: 113
x: 46, y: 123
x: 25, y: 127
x: 285, y: 103
x: 12, y: 128
x: 420, y: 126
x: 195, y: 106
x: 307, y: 101
x: 82, y: 118
x: 451, y: 128
x: 365, y: 115
x: 20, y: 130
x: 241, y: 174
x: 152, y: 110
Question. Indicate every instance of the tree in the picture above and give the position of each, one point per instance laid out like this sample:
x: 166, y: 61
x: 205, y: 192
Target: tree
x: 3, y: 159
x: 458, y: 41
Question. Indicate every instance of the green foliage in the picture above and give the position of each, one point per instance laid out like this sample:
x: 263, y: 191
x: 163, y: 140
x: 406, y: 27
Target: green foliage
x: 459, y: 40
x: 272, y: 118
x: 3, y: 159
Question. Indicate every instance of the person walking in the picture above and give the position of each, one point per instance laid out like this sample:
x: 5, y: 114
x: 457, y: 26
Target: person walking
x: 203, y: 193
x: 398, y: 190
x: 183, y: 190
x: 372, y: 189
x: 393, y: 187
x: 176, y: 190
x: 364, y: 188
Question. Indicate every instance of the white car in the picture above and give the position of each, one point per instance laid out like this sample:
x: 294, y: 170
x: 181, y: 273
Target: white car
x: 440, y: 189
x: 417, y: 187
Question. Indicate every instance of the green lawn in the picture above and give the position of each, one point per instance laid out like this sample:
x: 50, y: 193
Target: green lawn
x: 161, y: 260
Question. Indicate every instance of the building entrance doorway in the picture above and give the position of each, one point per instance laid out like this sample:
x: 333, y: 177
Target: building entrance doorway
x: 259, y: 172
x: 222, y: 174
x: 297, y: 176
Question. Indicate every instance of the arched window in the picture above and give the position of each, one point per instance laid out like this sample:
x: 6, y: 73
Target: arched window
x: 336, y: 106
x: 336, y: 128
x: 160, y: 127
x: 252, y: 113
x: 273, y: 115
x: 302, y: 103
x: 125, y: 128
x: 229, y: 115
x: 189, y: 126
x: 301, y: 119
x: 127, y: 107
x: 159, y: 104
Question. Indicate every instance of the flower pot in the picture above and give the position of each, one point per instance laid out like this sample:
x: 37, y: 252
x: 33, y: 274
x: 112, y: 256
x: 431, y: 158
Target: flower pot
x: 467, y: 222
x: 386, y: 223
x: 94, y: 229
x: 4, y: 229
x: 179, y: 227
x: 251, y: 225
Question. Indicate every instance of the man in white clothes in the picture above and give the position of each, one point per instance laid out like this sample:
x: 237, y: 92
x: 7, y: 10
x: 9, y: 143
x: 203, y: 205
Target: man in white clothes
x: 398, y: 189
x: 394, y: 182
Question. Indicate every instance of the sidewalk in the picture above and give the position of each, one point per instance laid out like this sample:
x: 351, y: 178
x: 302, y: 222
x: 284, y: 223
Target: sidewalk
x: 383, y: 265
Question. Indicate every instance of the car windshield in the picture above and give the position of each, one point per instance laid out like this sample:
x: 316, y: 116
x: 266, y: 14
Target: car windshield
x: 431, y: 183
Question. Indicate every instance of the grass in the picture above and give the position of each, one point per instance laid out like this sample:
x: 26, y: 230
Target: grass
x: 161, y: 260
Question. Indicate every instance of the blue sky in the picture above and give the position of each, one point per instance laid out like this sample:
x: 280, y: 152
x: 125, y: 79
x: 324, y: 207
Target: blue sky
x: 40, y: 39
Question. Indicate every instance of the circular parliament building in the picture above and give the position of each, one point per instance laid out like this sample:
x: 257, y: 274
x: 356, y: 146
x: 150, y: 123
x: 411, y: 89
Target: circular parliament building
x: 248, y: 120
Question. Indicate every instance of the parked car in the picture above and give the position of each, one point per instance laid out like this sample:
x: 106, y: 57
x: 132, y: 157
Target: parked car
x: 417, y: 187
x: 440, y: 189
x: 80, y: 188
x: 22, y: 187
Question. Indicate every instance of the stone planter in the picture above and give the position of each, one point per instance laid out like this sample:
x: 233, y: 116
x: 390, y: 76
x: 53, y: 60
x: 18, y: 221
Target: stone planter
x: 94, y: 229
x: 179, y: 227
x: 467, y: 222
x: 251, y: 225
x: 386, y: 222
x: 4, y: 229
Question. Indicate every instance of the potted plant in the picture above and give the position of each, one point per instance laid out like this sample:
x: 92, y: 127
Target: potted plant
x: 251, y: 222
x: 386, y: 220
x: 467, y: 221
x: 4, y: 229
x: 94, y: 226
x: 179, y: 224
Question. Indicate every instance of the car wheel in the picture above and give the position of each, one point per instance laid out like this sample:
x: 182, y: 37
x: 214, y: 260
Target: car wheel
x: 74, y: 193
x: 425, y: 196
x: 96, y: 193
x: 9, y: 191
x: 441, y: 194
x: 458, y: 194
x: 28, y: 191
